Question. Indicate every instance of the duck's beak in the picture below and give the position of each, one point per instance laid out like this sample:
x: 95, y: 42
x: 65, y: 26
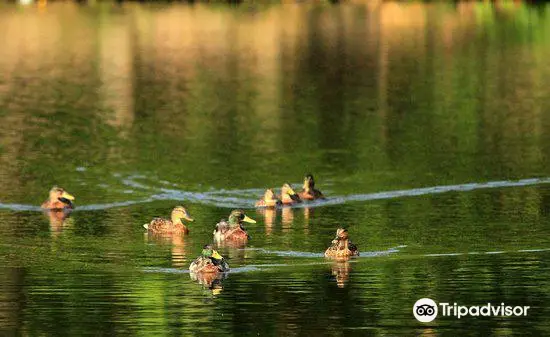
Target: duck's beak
x: 249, y: 220
x: 67, y: 196
x: 216, y: 255
x: 188, y: 218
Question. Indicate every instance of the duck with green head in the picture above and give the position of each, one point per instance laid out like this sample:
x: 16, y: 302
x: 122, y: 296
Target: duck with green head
x: 233, y: 229
x: 58, y: 199
x: 173, y: 226
x: 309, y: 192
x: 210, y: 261
x: 341, y: 246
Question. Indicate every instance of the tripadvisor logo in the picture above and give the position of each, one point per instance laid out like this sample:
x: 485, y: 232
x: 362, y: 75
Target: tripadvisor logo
x: 426, y: 310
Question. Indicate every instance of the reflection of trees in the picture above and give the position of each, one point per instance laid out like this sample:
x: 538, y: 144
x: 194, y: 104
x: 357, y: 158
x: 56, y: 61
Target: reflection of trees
x: 12, y: 300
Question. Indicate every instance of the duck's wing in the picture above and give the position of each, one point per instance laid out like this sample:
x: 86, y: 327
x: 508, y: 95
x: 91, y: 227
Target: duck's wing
x: 221, y: 264
x: 222, y: 226
x: 159, y: 225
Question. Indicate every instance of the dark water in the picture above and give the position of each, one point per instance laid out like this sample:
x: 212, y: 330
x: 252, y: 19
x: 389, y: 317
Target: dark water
x: 427, y: 125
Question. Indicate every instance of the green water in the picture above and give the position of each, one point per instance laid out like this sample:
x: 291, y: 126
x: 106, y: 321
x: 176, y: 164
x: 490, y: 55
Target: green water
x: 426, y: 125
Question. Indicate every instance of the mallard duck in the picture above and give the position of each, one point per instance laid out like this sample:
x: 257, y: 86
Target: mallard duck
x: 59, y: 199
x: 233, y: 229
x: 173, y: 226
x: 308, y: 190
x: 288, y: 196
x: 210, y: 261
x: 341, y: 246
x: 268, y: 200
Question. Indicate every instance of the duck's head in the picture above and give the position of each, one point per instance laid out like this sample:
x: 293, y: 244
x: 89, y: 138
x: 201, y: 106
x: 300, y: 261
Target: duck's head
x: 341, y: 234
x: 269, y: 195
x: 309, y: 182
x: 180, y: 213
x: 237, y: 217
x: 211, y: 253
x: 288, y: 192
x: 59, y: 194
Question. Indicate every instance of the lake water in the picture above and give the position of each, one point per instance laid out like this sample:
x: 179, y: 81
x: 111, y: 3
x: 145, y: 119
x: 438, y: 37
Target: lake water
x: 427, y: 125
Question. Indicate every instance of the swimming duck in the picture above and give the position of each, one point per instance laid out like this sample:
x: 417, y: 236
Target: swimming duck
x: 210, y: 261
x: 59, y: 199
x: 173, y: 226
x: 341, y: 246
x: 309, y: 192
x: 268, y: 200
x: 288, y: 196
x: 233, y: 229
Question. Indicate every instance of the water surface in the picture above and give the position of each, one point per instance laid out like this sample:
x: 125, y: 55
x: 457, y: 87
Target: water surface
x: 426, y: 124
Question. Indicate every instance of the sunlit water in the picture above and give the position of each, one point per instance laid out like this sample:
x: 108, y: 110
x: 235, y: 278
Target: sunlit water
x: 426, y: 125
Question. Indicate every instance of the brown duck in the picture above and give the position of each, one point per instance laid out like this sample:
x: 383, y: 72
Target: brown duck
x: 309, y: 192
x: 173, y: 226
x: 288, y: 196
x: 59, y: 200
x: 341, y: 246
x: 269, y: 199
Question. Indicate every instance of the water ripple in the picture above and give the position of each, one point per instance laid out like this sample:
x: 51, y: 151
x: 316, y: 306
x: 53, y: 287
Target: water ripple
x: 241, y: 198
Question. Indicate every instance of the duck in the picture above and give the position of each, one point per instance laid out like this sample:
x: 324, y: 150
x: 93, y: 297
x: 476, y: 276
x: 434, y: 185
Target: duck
x: 173, y: 226
x: 269, y: 199
x: 341, y: 246
x: 288, y: 196
x: 59, y: 200
x: 309, y: 192
x: 210, y: 261
x: 233, y: 229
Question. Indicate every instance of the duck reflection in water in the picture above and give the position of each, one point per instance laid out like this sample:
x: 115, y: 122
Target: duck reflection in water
x: 308, y: 213
x: 340, y: 270
x: 176, y: 242
x: 269, y: 215
x: 288, y: 218
x: 59, y: 220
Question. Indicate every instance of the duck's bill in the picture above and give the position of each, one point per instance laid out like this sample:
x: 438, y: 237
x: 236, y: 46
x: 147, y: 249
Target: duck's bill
x: 216, y: 255
x: 249, y: 220
x: 67, y: 196
x: 188, y: 218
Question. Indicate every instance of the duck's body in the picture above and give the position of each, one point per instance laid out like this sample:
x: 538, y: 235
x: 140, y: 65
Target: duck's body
x: 165, y: 226
x: 288, y: 196
x: 173, y: 226
x: 58, y: 199
x: 224, y: 231
x: 341, y: 246
x: 232, y: 229
x: 269, y: 199
x: 210, y: 261
x: 309, y: 192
